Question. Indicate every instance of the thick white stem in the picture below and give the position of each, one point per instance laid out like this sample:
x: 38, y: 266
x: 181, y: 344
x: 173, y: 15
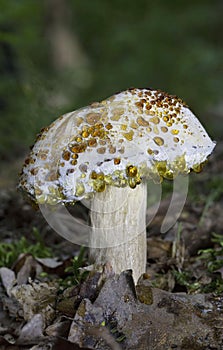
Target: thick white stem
x: 118, y: 218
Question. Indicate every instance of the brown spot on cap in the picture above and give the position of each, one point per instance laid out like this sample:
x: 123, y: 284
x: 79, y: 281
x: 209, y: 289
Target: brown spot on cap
x: 92, y: 118
x: 112, y: 149
x: 155, y: 120
x: 101, y: 150
x: 117, y: 161
x: 142, y: 122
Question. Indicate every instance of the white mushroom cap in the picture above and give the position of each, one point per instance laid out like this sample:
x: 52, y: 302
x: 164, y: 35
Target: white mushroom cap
x: 132, y: 135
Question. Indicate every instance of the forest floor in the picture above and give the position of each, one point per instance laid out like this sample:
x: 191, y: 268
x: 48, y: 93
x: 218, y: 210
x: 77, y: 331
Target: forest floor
x: 48, y: 300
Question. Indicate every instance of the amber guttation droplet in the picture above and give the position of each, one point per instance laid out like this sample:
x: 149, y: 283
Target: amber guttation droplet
x: 79, y: 139
x: 142, y: 122
x: 98, y: 126
x: 158, y: 140
x: 74, y: 156
x: 66, y: 155
x: 129, y: 135
x: 176, y: 139
x: 131, y: 171
x: 73, y: 162
x: 156, y: 130
x: 99, y: 186
x: 117, y: 161
x: 139, y: 104
x: 166, y: 119
x: 161, y: 167
x: 199, y: 167
x: 148, y: 106
x: 132, y: 183
x: 164, y: 128
x: 92, y: 142
x: 78, y: 148
x: 150, y: 151
x: 185, y: 126
x: 123, y: 126
x: 85, y: 134
x: 134, y: 125
x: 79, y: 189
x: 154, y: 120
x: 109, y: 126
x: 100, y: 176
x: 174, y: 131
x: 93, y: 175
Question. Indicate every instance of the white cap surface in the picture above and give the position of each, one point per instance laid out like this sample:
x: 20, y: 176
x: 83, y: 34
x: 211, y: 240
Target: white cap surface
x: 132, y: 135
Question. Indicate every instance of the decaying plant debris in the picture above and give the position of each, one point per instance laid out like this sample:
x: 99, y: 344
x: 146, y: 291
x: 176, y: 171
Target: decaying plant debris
x: 48, y: 303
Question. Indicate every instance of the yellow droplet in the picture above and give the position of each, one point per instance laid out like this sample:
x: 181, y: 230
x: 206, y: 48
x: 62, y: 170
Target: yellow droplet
x: 161, y: 168
x: 164, y: 128
x: 197, y: 168
x: 155, y: 120
x: 93, y: 175
x: 100, y: 176
x: 129, y: 135
x: 158, y: 140
x: 85, y: 134
x: 150, y: 151
x: 99, y: 186
x: 142, y: 122
x: 131, y: 170
x: 174, y: 131
x: 132, y: 183
x: 79, y: 189
x: 156, y: 130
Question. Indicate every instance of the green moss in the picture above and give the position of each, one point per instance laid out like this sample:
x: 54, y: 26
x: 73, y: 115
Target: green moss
x: 9, y: 252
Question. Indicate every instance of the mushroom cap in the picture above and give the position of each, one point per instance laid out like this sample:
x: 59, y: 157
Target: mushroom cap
x: 134, y: 134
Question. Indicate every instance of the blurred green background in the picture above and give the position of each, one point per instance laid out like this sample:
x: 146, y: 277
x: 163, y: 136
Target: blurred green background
x: 59, y: 55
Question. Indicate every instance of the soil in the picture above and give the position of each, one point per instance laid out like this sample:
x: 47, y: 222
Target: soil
x: 47, y: 302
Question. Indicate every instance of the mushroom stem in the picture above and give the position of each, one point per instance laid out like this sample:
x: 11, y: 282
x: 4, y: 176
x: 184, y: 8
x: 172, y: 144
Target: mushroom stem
x: 118, y: 218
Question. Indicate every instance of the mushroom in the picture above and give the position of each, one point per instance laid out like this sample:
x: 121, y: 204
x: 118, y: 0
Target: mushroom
x: 105, y: 153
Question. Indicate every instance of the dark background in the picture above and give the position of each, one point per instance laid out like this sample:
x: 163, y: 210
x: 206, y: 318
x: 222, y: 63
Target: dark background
x: 59, y: 55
